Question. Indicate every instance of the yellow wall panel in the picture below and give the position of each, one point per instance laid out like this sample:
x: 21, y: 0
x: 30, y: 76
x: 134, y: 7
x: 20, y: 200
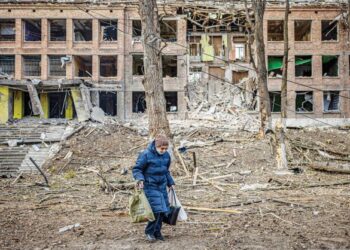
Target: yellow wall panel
x: 4, y: 104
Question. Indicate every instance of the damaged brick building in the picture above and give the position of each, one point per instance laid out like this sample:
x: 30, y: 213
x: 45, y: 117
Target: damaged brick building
x: 58, y: 60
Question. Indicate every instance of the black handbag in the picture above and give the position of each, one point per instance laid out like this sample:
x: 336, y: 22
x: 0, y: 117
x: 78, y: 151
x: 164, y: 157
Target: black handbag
x: 171, y: 217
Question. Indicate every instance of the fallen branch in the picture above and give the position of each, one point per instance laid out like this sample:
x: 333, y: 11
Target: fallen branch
x: 204, y: 209
x: 41, y: 172
x: 330, y: 167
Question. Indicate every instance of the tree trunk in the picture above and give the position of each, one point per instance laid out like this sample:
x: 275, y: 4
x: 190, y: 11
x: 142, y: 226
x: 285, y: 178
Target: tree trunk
x: 282, y: 162
x: 264, y: 100
x: 153, y: 75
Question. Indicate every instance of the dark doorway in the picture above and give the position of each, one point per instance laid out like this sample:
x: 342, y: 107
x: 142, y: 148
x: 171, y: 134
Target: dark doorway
x: 138, y: 102
x: 27, y: 105
x: 108, y: 102
x: 57, y: 105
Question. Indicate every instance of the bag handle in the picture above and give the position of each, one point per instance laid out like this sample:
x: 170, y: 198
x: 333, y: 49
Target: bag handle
x: 174, y: 195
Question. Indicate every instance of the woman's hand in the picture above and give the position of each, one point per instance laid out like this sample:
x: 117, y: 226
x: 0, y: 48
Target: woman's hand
x: 140, y: 184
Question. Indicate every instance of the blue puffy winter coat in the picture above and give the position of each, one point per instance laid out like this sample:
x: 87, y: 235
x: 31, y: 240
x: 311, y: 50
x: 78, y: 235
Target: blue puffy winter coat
x: 153, y: 169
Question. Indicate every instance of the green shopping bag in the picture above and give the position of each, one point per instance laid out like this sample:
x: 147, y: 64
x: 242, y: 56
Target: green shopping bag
x: 139, y: 207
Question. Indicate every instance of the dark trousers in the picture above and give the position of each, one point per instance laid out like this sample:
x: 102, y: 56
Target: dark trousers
x: 154, y: 227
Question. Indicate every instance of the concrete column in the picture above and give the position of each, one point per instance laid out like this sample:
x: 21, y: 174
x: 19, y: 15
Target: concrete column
x: 44, y: 67
x: 95, y: 34
x: 18, y: 67
x: 19, y: 29
x: 70, y: 35
x: 44, y: 34
x: 95, y: 68
x: 70, y: 69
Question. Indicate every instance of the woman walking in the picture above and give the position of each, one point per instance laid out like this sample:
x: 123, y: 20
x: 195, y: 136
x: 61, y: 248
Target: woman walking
x: 152, y: 174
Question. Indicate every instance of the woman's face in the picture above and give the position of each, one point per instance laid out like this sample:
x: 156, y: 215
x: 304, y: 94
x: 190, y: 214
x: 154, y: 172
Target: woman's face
x: 162, y: 149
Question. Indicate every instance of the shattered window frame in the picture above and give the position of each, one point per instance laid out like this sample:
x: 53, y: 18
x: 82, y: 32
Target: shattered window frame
x: 329, y: 23
x: 36, y: 61
x: 330, y: 100
x: 7, y: 64
x: 167, y: 31
x: 112, y: 27
x: 326, y: 59
x: 82, y: 74
x: 303, y: 61
x: 137, y: 68
x: 296, y: 33
x: 50, y: 23
x: 168, y: 101
x: 57, y: 72
x: 166, y: 68
x: 274, y: 65
x: 301, y: 101
x: 135, y: 29
x: 31, y: 37
x: 76, y: 31
x: 140, y: 102
x: 8, y: 30
x: 275, y: 101
x: 275, y: 37
x: 108, y: 64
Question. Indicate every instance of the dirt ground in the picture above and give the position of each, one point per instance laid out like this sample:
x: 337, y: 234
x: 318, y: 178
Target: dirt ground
x: 305, y: 209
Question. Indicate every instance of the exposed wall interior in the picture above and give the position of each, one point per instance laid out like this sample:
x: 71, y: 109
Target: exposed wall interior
x: 108, y: 102
x: 108, y: 66
x: 275, y: 30
x: 237, y: 76
x: 329, y: 30
x: 109, y: 30
x: 82, y: 30
x: 331, y: 101
x: 304, y: 101
x: 138, y: 102
x: 32, y: 30
x: 137, y: 65
x: 57, y: 30
x: 83, y: 66
x: 169, y: 63
x: 7, y: 30
x: 303, y: 66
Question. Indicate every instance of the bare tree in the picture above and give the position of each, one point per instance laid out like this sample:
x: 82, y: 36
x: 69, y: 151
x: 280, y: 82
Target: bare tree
x: 258, y: 7
x: 153, y: 75
x: 282, y: 162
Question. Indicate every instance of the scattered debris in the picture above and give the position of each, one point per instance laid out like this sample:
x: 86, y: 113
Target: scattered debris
x: 68, y: 228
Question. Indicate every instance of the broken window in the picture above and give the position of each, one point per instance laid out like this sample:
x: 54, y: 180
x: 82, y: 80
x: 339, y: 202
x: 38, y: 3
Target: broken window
x: 136, y: 28
x: 168, y: 30
x: 57, y: 30
x: 32, y: 30
x: 237, y: 76
x: 302, y: 30
x: 108, y: 66
x: 216, y: 73
x: 138, y: 102
x: 329, y: 30
x: 275, y: 101
x: 108, y: 102
x: 7, y: 64
x: 137, y: 65
x: 275, y: 30
x: 7, y: 30
x: 217, y: 43
x: 171, y: 101
x: 195, y: 46
x: 169, y: 66
x: 83, y: 66
x: 304, y: 101
x: 240, y: 51
x: 56, y: 66
x: 57, y: 104
x: 331, y: 101
x: 303, y: 66
x: 329, y: 65
x: 32, y: 65
x: 275, y: 66
x: 195, y: 74
x: 109, y: 30
x: 82, y: 30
